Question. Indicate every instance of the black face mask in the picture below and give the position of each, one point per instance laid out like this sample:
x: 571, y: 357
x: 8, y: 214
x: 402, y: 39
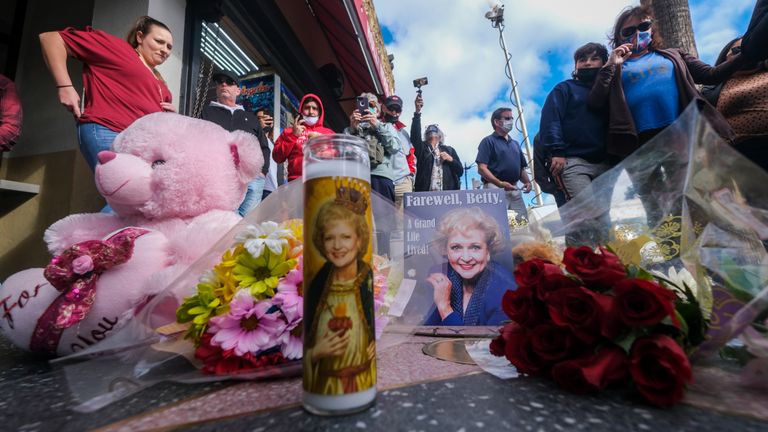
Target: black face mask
x: 389, y: 118
x: 586, y: 74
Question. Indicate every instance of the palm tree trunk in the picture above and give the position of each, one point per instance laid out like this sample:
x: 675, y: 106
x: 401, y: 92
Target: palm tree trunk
x: 673, y: 19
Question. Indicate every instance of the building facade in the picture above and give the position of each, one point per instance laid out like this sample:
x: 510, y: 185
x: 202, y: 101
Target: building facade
x: 332, y: 48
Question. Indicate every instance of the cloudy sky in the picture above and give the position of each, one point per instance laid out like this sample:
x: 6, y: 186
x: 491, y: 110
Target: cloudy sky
x: 453, y: 44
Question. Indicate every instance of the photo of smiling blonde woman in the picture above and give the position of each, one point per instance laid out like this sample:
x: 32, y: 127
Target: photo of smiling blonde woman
x: 341, y: 357
x: 468, y: 288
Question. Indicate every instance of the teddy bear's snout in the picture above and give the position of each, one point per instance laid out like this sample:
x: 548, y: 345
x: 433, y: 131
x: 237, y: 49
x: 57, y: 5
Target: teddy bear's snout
x: 106, y: 156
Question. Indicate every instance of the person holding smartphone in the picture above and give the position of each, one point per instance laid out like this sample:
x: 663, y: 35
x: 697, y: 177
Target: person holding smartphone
x: 290, y: 144
x: 646, y: 88
x: 366, y: 122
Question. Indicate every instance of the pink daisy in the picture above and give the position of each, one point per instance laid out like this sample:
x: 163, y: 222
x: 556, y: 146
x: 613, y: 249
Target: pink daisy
x: 291, y: 304
x: 247, y: 328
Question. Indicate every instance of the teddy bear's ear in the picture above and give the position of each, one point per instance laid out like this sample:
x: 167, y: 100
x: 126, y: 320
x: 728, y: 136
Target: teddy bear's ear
x: 246, y: 155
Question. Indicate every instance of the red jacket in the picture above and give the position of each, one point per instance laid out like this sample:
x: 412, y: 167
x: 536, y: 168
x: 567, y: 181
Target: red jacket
x: 291, y: 147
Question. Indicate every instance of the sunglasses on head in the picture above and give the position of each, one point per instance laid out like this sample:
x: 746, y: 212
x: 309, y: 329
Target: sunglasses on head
x: 631, y: 30
x: 225, y: 80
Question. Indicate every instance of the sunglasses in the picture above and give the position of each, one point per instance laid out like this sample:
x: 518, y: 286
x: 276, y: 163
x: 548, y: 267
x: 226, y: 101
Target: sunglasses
x: 225, y: 80
x: 395, y: 108
x: 735, y: 50
x: 631, y: 30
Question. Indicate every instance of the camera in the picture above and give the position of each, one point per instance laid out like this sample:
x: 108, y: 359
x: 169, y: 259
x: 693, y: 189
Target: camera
x: 419, y: 82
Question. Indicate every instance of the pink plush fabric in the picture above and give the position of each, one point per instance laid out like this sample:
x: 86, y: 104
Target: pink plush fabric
x: 180, y: 177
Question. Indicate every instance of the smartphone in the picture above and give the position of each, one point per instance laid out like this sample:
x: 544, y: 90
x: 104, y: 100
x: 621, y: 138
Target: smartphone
x: 362, y: 104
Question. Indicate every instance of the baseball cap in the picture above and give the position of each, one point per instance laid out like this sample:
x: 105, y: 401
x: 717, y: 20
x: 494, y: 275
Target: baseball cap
x: 226, y: 74
x: 394, y: 102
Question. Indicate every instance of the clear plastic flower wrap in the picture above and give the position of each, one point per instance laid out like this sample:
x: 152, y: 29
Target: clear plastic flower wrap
x: 691, y: 210
x: 236, y: 313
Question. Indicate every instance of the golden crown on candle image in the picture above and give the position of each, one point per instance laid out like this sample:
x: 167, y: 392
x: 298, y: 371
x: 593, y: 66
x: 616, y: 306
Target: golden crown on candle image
x: 352, y: 194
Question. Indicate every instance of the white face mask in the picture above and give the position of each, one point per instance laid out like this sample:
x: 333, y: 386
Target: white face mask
x: 310, y: 121
x: 508, y: 125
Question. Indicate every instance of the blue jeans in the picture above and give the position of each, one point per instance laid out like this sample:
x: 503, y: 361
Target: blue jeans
x: 252, y: 196
x: 94, y: 138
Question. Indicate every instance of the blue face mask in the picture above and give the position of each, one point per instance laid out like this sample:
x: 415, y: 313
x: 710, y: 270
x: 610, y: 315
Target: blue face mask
x: 372, y: 110
x: 643, y: 40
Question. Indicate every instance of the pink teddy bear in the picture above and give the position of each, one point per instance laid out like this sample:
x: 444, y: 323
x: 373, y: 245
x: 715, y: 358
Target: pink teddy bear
x: 174, y: 183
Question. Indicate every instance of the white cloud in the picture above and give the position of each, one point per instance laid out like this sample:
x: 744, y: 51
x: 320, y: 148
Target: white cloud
x: 452, y: 43
x: 717, y: 22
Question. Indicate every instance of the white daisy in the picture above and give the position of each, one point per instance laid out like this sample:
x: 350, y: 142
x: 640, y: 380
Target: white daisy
x: 255, y: 237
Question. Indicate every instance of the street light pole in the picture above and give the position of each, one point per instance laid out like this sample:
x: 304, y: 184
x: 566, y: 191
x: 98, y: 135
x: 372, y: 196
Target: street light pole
x: 496, y: 15
x: 466, y: 175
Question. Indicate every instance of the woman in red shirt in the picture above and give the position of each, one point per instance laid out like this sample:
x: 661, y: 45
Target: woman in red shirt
x: 119, y: 76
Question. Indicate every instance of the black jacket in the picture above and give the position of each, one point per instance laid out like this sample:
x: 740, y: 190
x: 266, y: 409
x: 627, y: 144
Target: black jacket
x: 425, y: 161
x: 239, y: 120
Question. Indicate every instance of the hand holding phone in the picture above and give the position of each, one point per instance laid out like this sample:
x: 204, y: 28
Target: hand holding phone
x: 362, y: 104
x: 298, y: 125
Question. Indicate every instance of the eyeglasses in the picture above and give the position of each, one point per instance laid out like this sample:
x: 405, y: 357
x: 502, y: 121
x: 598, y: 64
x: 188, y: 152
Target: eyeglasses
x: 225, y: 80
x: 735, y: 50
x: 631, y: 30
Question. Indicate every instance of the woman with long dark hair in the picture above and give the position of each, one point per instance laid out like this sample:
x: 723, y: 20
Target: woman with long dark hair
x: 646, y: 87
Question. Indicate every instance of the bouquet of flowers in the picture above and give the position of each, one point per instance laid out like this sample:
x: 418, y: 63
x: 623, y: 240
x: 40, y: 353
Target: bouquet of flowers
x: 246, y: 313
x: 598, y: 322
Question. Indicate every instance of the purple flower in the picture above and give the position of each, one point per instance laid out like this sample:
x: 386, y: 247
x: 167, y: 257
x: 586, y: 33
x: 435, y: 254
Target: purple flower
x: 247, y: 328
x: 287, y: 298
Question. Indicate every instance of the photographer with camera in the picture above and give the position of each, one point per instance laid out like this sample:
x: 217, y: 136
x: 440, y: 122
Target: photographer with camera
x: 438, y: 167
x: 383, y: 145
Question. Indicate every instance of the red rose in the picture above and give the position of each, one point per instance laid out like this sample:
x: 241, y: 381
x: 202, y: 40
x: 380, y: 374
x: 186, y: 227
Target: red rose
x: 552, y: 343
x: 554, y: 282
x: 498, y: 344
x: 583, y: 311
x: 518, y: 350
x: 660, y: 369
x: 530, y: 273
x: 600, y: 271
x: 592, y: 372
x: 522, y: 307
x: 641, y: 303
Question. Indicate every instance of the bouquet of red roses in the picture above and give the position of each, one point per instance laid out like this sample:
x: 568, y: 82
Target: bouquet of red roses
x: 599, y: 323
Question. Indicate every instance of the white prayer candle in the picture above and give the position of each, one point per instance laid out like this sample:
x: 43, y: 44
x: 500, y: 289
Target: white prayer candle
x: 339, y: 342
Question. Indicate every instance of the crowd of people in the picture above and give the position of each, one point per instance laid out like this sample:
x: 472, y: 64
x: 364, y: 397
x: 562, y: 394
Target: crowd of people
x: 615, y: 102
